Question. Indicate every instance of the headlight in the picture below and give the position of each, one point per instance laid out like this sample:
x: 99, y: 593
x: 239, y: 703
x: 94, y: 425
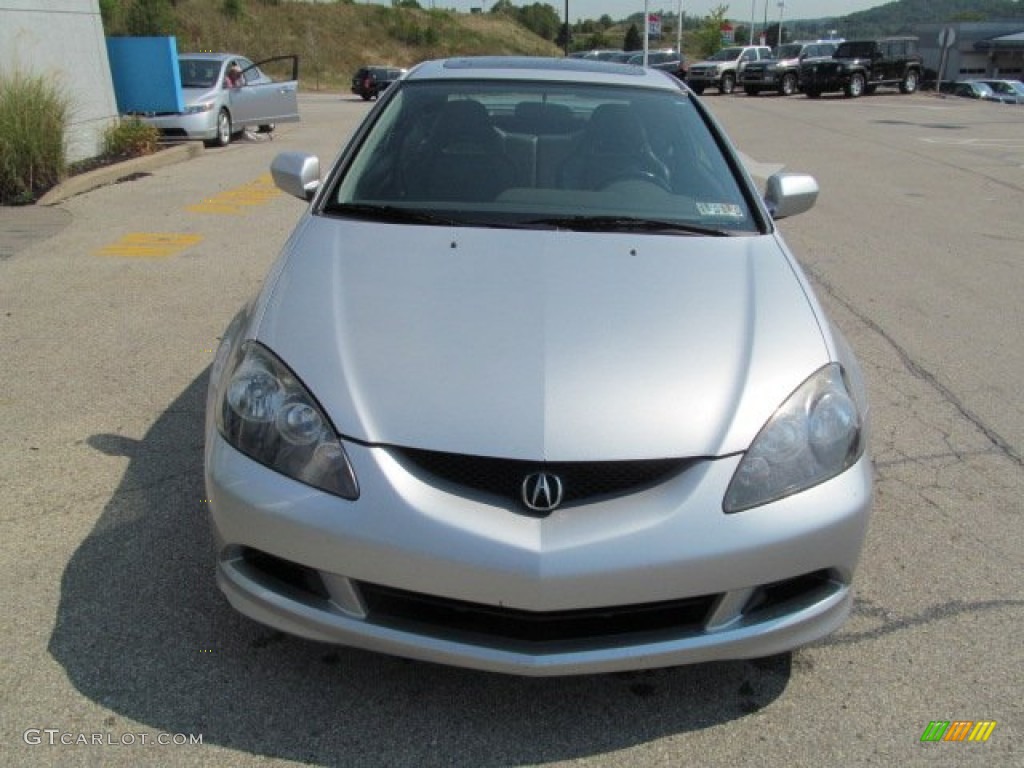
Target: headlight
x: 265, y: 412
x: 195, y: 109
x: 814, y: 436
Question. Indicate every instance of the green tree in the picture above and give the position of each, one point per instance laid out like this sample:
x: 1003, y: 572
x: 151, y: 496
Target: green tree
x: 149, y: 18
x: 708, y: 37
x: 232, y: 9
x: 633, y: 41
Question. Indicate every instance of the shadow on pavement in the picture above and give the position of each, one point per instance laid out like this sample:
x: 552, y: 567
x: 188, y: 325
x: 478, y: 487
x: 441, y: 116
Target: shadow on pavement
x: 142, y: 630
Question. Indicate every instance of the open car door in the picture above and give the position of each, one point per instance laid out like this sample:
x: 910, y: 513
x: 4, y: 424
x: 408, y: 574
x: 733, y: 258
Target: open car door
x: 270, y: 93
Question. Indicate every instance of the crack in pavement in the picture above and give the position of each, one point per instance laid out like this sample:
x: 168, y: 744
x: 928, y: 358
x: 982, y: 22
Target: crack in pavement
x: 920, y: 372
x: 890, y: 625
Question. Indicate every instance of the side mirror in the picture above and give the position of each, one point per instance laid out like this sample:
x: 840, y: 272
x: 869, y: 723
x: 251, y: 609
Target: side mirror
x: 787, y: 194
x: 296, y: 173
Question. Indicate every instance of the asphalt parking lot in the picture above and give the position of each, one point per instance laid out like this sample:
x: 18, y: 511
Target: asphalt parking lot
x: 117, y: 639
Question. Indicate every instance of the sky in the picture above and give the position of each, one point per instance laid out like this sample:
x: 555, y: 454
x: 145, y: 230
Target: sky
x: 739, y: 10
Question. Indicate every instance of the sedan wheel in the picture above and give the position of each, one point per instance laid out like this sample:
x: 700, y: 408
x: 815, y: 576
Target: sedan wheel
x: 223, y: 137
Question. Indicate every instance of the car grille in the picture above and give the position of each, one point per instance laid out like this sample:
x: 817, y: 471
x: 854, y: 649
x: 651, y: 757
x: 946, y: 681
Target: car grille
x: 582, y: 481
x: 429, y: 615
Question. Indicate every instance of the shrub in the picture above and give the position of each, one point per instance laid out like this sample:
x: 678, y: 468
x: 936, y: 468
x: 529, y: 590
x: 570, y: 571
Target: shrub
x: 34, y: 115
x: 130, y: 138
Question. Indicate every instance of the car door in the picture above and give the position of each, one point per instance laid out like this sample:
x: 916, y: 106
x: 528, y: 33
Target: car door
x: 264, y: 98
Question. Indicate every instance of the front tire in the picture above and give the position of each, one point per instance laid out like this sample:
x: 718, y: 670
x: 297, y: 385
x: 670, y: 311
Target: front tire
x: 223, y: 137
x: 855, y: 87
x: 789, y: 84
x: 728, y: 84
x: 910, y: 81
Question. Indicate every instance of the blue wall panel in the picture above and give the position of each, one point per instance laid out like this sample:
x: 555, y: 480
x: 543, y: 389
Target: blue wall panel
x: 145, y: 74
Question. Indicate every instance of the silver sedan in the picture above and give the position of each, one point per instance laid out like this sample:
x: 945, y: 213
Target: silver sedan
x: 536, y: 387
x: 225, y: 93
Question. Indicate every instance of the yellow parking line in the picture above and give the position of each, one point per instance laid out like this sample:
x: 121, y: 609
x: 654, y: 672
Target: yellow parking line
x: 236, y: 201
x: 149, y: 245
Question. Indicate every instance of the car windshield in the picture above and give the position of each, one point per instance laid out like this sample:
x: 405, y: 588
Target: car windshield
x: 788, y: 51
x: 199, y: 73
x: 542, y: 154
x: 727, y: 54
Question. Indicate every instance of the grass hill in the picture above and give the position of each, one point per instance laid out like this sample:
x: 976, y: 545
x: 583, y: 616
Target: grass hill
x: 900, y: 17
x: 335, y: 39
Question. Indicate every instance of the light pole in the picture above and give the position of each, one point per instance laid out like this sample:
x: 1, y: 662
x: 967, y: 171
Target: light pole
x: 782, y: 8
x: 567, y: 35
x: 679, y: 30
x: 753, y: 10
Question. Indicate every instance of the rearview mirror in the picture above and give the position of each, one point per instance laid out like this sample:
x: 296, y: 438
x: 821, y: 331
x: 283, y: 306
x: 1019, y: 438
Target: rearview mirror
x: 296, y: 173
x: 787, y: 194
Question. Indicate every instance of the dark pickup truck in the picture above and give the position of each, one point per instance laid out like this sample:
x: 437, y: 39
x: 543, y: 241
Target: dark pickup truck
x: 860, y: 66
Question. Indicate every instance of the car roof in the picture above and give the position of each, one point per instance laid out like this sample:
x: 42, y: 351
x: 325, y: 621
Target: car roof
x: 212, y: 56
x: 538, y: 68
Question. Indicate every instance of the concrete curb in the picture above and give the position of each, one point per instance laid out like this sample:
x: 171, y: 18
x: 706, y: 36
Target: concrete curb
x: 100, y: 177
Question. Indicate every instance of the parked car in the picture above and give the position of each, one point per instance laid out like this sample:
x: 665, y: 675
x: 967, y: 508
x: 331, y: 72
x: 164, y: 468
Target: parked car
x: 215, y: 111
x: 781, y: 73
x: 860, y: 66
x: 1009, y: 91
x: 602, y: 54
x: 371, y: 82
x: 667, y: 60
x: 971, y: 89
x: 539, y: 402
x: 723, y: 69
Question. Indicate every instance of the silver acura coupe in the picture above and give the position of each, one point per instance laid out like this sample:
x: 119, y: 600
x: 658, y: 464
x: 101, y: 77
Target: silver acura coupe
x: 536, y: 387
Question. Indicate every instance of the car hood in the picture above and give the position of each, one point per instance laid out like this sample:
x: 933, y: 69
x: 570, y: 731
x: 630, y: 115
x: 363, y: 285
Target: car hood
x: 190, y: 96
x: 557, y: 346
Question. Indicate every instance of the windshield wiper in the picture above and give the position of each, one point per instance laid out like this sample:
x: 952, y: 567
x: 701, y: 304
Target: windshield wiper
x: 626, y: 224
x: 388, y: 213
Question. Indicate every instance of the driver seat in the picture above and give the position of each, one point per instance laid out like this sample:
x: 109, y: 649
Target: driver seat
x: 613, y: 145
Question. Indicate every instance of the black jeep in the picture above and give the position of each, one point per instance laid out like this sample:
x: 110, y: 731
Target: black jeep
x: 782, y: 72
x: 860, y: 66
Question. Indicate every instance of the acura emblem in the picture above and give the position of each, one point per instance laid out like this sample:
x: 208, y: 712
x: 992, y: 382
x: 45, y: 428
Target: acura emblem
x: 542, y: 491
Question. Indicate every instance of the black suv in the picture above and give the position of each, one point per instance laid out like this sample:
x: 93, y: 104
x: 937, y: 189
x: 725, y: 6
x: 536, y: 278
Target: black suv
x: 370, y: 82
x: 860, y: 66
x: 782, y: 73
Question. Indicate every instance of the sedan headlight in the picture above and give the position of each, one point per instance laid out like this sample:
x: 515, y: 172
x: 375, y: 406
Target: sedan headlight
x: 195, y: 109
x: 265, y: 412
x: 814, y: 436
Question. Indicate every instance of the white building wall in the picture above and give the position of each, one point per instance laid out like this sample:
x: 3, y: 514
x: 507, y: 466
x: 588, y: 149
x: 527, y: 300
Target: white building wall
x: 63, y: 40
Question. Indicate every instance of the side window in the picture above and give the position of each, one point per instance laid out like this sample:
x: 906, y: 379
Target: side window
x: 899, y: 48
x: 748, y: 56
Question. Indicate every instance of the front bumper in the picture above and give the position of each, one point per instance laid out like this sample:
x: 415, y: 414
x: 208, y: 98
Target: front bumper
x: 705, y: 77
x: 657, y: 578
x: 201, y: 125
x: 759, y: 77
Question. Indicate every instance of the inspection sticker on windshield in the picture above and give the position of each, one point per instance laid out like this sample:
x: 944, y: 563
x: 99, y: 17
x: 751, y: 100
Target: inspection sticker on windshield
x: 722, y: 210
